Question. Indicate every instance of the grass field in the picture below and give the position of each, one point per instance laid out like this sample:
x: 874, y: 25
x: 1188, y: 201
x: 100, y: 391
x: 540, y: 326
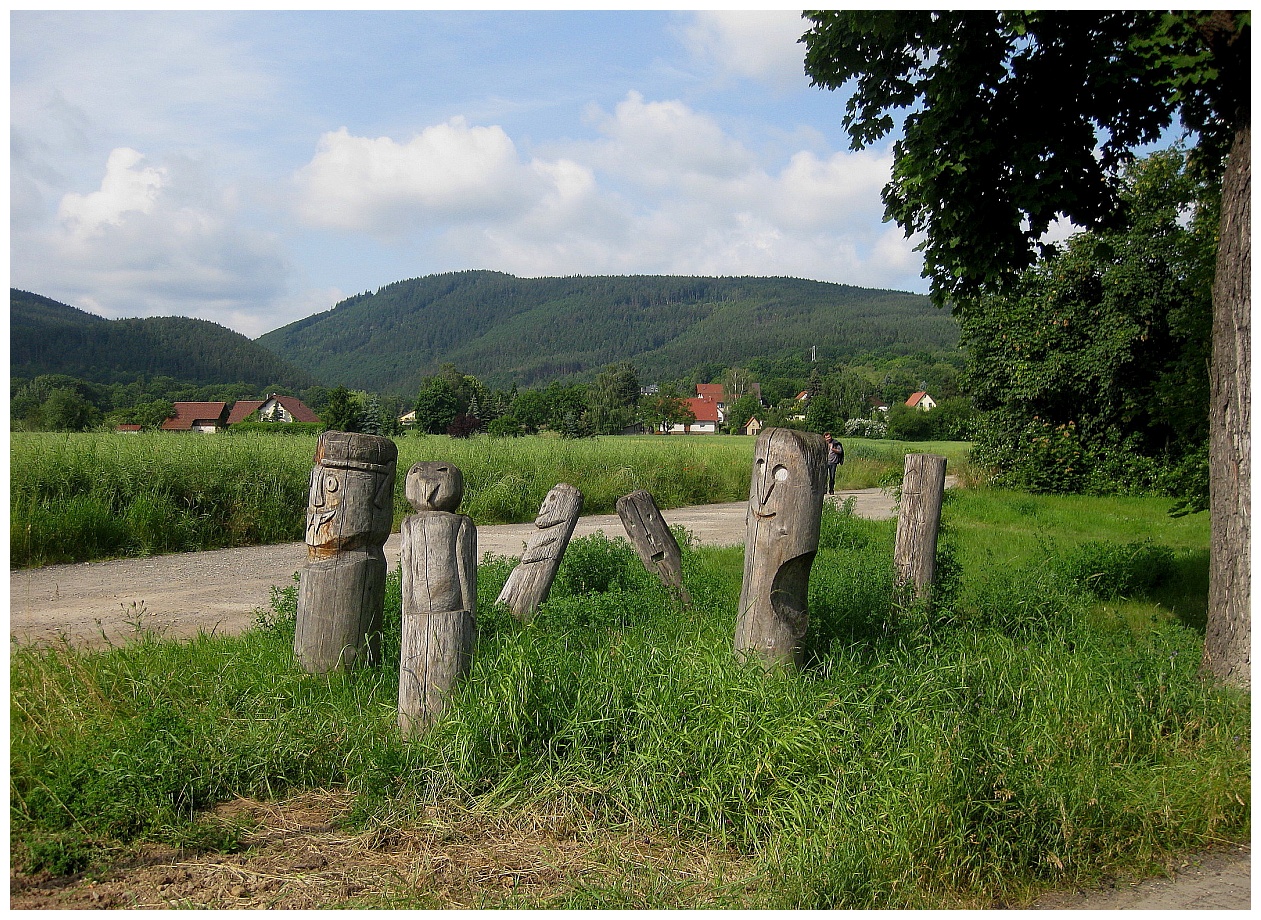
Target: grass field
x: 80, y: 497
x: 1043, y: 724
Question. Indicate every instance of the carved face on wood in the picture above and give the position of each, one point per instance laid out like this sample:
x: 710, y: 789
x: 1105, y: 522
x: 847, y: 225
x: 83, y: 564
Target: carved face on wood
x: 789, y: 472
x: 558, y: 506
x: 435, y: 486
x: 351, y: 494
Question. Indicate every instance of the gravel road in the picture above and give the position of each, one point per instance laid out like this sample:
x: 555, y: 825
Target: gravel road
x: 179, y: 595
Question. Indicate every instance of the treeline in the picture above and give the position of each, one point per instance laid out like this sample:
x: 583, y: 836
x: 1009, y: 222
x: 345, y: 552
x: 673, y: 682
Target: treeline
x: 530, y: 331
x: 59, y: 402
x: 864, y: 399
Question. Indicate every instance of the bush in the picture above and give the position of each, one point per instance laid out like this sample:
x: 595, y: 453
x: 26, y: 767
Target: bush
x: 1111, y: 570
x: 866, y: 428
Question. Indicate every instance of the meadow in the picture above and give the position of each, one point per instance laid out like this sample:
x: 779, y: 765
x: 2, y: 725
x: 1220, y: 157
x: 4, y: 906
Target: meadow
x: 81, y: 497
x: 1041, y: 723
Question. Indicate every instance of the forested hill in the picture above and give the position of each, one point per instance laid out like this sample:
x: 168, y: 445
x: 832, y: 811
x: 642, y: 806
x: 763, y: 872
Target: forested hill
x: 47, y: 337
x: 528, y: 331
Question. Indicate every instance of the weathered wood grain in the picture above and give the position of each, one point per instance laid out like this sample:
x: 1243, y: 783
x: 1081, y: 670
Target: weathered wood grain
x: 438, y: 558
x: 653, y: 541
x: 341, y: 590
x: 530, y: 582
x: 919, y: 520
x: 782, y: 537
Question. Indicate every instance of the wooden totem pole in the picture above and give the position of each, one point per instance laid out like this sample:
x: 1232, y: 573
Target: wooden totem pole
x: 781, y: 540
x: 439, y: 563
x: 652, y: 540
x: 531, y: 580
x: 341, y: 589
x: 919, y: 520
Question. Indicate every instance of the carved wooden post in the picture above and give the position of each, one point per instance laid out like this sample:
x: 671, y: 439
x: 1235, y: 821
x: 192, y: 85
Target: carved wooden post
x: 781, y: 540
x: 531, y: 580
x: 652, y: 539
x: 919, y: 519
x: 439, y: 563
x: 341, y: 589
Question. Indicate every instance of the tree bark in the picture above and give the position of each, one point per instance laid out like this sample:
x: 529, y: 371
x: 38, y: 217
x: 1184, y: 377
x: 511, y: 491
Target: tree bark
x: 1228, y: 634
x: 919, y: 520
x: 651, y: 537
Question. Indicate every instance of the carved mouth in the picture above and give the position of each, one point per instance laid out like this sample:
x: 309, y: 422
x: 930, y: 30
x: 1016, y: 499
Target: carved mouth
x: 316, y: 521
x: 764, y: 515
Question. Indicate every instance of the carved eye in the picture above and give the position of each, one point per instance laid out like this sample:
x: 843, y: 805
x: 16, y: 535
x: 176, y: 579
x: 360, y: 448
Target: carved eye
x: 780, y: 473
x: 331, y: 483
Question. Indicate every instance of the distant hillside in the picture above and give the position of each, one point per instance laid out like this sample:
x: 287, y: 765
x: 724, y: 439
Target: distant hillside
x: 47, y: 337
x: 528, y: 331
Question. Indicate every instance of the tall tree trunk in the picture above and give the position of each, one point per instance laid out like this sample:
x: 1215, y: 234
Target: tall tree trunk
x: 1228, y: 636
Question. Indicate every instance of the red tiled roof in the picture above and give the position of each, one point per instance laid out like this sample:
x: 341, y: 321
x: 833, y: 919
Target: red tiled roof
x: 704, y: 408
x: 916, y: 397
x: 711, y: 391
x: 243, y: 409
x: 294, y: 407
x: 187, y: 414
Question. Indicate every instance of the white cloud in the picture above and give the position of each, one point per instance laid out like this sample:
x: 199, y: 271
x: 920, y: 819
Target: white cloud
x: 449, y: 172
x: 150, y: 241
x: 127, y: 186
x: 759, y: 44
x: 667, y: 190
x: 658, y: 143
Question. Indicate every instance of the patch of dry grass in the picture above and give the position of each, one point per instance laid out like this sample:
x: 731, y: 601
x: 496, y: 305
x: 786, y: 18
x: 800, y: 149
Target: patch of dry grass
x: 297, y: 855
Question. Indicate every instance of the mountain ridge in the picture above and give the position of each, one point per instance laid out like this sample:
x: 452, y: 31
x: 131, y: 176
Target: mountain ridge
x: 50, y: 337
x: 528, y: 331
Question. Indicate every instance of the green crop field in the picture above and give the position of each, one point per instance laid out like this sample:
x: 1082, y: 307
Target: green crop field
x: 79, y: 497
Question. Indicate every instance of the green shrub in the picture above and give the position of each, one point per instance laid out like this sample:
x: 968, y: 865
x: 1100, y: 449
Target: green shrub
x: 1112, y: 570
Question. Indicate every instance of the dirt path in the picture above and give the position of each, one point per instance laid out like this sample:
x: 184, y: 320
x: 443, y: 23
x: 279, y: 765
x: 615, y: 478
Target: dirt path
x: 179, y: 595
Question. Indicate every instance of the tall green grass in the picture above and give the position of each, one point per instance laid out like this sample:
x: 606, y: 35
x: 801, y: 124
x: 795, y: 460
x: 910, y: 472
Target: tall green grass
x: 78, y: 497
x: 1020, y: 736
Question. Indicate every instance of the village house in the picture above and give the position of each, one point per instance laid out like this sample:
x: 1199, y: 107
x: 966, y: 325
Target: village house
x: 708, y: 417
x: 274, y: 408
x: 922, y: 401
x: 207, y: 417
x: 709, y: 405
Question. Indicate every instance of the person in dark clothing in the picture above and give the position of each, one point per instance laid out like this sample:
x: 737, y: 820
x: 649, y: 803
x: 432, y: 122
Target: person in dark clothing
x: 836, y: 456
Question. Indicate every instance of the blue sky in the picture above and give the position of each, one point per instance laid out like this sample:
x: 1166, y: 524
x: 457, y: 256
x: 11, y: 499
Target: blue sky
x: 253, y: 168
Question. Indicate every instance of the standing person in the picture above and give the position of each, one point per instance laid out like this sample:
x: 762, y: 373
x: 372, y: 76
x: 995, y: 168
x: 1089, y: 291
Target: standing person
x: 836, y: 456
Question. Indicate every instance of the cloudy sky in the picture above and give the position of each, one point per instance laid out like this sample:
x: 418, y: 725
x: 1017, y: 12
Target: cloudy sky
x: 253, y: 168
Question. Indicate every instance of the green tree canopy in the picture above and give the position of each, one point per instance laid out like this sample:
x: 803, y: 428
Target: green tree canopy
x: 1108, y: 341
x: 1014, y: 118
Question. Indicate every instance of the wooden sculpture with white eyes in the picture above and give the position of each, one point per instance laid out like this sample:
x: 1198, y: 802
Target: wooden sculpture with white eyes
x: 781, y: 539
x: 439, y: 563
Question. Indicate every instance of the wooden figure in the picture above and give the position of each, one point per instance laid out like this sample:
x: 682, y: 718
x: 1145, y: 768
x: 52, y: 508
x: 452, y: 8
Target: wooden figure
x: 653, y: 540
x: 781, y: 540
x: 919, y: 520
x: 439, y: 564
x: 341, y: 589
x: 531, y: 580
